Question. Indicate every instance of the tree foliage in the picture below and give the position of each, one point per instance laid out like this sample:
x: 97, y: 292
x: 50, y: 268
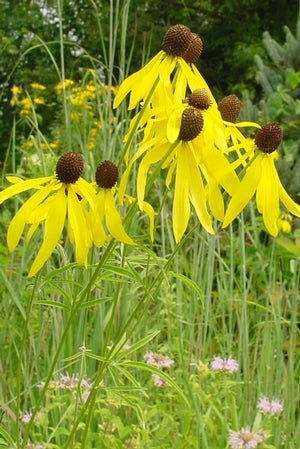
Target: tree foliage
x: 30, y: 39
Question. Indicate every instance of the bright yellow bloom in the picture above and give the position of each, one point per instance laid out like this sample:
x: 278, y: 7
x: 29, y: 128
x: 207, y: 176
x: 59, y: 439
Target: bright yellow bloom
x: 37, y: 86
x: 261, y: 177
x: 184, y: 143
x: 284, y: 223
x: 53, y: 145
x: 38, y: 101
x: 63, y: 85
x: 15, y: 90
x: 179, y: 50
x: 26, y: 106
x: 56, y: 197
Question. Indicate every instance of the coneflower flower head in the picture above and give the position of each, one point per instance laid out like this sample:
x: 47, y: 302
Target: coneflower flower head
x: 69, y: 168
x: 194, y: 49
x: 230, y: 108
x: 199, y: 98
x: 106, y: 174
x: 191, y: 124
x: 268, y: 138
x: 177, y: 40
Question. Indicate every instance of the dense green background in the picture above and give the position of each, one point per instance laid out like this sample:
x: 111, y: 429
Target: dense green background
x: 231, y: 31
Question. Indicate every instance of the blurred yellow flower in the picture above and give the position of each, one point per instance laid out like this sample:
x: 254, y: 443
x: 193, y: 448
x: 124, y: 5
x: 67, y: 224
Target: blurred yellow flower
x: 38, y: 101
x: 63, y: 85
x: 284, y: 223
x: 37, y: 86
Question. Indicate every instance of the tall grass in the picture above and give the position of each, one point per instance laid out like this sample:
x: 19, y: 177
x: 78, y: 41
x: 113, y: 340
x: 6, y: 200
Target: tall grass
x: 235, y: 294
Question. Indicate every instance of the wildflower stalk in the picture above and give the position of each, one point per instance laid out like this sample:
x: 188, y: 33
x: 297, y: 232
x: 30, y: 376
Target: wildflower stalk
x: 139, y: 312
x: 62, y: 68
x: 82, y: 297
x: 24, y: 343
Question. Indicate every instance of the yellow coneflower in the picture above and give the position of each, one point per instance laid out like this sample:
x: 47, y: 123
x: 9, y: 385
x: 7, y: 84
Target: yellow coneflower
x: 56, y: 197
x: 261, y: 177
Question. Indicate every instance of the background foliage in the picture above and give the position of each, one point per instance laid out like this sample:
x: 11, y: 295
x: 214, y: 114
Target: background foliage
x: 231, y: 32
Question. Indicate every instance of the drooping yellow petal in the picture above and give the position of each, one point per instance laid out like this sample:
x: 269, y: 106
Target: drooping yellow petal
x: 267, y: 195
x: 77, y: 222
x: 124, y: 178
x: 137, y: 79
x: 144, y: 82
x: 197, y: 191
x: 215, y: 199
x: 22, y: 186
x: 166, y: 67
x: 193, y: 76
x: 38, y: 215
x: 220, y: 168
x: 17, y: 224
x: 180, y: 86
x: 244, y: 193
x: 244, y: 124
x: 113, y: 220
x: 181, y: 202
x: 148, y: 209
x: 13, y: 179
x: 85, y: 190
x: 174, y: 123
x: 154, y: 155
x: 170, y: 173
x: 54, y: 224
x: 288, y: 202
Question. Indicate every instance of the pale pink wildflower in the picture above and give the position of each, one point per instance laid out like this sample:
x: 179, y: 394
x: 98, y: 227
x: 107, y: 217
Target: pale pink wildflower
x: 158, y: 381
x: 267, y: 406
x: 29, y: 445
x: 244, y: 439
x: 158, y: 360
x: 219, y: 364
x: 67, y: 382
x: 85, y: 395
x: 26, y: 416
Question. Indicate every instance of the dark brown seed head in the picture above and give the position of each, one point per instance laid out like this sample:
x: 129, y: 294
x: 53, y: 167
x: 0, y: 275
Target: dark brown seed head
x: 191, y: 124
x: 200, y: 99
x: 176, y: 40
x: 106, y: 174
x: 69, y: 167
x: 268, y: 138
x: 194, y: 49
x: 230, y: 108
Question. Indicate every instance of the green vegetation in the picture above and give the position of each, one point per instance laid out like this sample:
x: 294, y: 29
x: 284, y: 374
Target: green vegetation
x: 73, y: 371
